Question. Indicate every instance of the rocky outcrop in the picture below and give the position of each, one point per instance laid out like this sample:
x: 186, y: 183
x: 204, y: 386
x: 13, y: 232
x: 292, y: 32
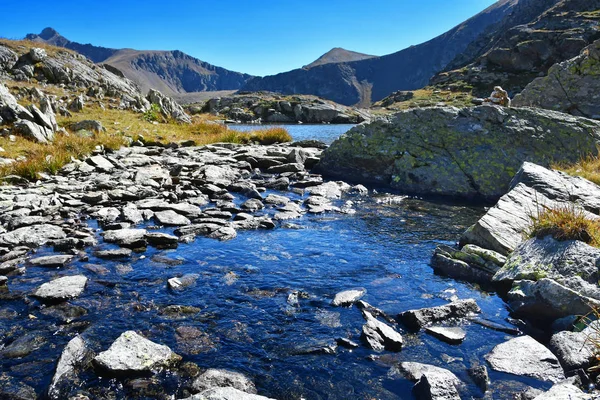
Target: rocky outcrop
x: 523, y: 45
x: 570, y: 87
x: 264, y: 107
x: 466, y: 153
x: 168, y: 107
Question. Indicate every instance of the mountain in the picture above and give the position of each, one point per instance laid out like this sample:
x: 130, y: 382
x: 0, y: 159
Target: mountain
x: 524, y: 45
x: 171, y: 72
x: 338, y: 55
x: 366, y: 81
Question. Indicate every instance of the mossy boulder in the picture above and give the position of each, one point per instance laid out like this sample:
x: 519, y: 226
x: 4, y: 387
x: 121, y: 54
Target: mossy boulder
x: 470, y: 153
x: 572, y: 86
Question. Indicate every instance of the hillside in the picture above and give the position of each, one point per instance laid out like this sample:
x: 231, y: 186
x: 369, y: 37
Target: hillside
x: 338, y: 55
x: 524, y: 45
x: 170, y: 72
x: 365, y: 81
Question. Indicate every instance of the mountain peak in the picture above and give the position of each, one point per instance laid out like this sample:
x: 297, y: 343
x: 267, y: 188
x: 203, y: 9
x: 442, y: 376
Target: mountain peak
x: 47, y: 33
x: 338, y: 55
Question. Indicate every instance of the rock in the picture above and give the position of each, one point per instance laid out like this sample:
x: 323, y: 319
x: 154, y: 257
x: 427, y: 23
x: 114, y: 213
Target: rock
x: 463, y: 264
x: 87, y: 125
x: 226, y: 393
x: 71, y: 358
x: 452, y: 335
x: 33, y: 236
x: 533, y: 187
x: 479, y: 375
x: 132, y: 354
x: 223, y: 233
x: 33, y: 131
x: 56, y: 261
x: 576, y: 350
x: 349, y: 344
x: 563, y: 391
x: 499, y: 97
x: 378, y: 335
x: 67, y: 287
x: 113, y: 253
x: 525, y: 356
x: 101, y: 163
x: 168, y: 107
x: 76, y: 104
x: 162, y: 240
x: 569, y: 86
x: 432, y: 382
x: 219, y: 378
x: 185, y: 281
x: 252, y: 205
x: 348, y: 297
x: 15, y: 389
x: 132, y: 238
x: 422, y: 151
x: 417, y: 319
x: 130, y: 213
x: 10, y: 110
x: 37, y: 55
x: 96, y: 198
x: 23, y: 345
x: 171, y: 218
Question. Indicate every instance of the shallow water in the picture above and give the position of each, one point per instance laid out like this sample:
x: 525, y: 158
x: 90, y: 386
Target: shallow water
x: 324, y: 132
x: 245, y: 322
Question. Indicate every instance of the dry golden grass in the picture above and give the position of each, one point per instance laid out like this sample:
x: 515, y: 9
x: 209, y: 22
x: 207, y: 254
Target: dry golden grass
x: 119, y: 125
x: 23, y: 46
x: 588, y: 168
x: 566, y: 223
x: 429, y: 97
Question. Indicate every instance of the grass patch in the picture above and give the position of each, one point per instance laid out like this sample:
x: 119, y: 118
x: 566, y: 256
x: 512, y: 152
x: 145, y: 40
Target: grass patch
x: 588, y: 168
x: 432, y: 96
x: 565, y: 222
x: 23, y: 46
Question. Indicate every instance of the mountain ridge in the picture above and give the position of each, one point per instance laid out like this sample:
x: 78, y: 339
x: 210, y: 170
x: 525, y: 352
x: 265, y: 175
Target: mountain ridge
x: 337, y: 55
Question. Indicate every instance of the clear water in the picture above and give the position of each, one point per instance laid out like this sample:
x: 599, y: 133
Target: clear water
x: 324, y: 132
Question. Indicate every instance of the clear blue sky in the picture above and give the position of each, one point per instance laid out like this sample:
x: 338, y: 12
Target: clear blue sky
x: 257, y: 37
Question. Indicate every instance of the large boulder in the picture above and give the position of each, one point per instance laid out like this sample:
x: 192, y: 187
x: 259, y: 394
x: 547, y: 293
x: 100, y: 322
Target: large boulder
x: 525, y: 356
x: 468, y: 153
x: 576, y: 350
x: 534, y: 187
x: 433, y: 382
x: 168, y: 107
x: 72, y: 357
x: 571, y: 86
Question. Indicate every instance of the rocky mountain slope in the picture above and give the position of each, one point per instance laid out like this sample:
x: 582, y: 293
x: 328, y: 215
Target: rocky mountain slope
x: 370, y: 80
x: 170, y: 72
x: 524, y: 45
x: 338, y: 55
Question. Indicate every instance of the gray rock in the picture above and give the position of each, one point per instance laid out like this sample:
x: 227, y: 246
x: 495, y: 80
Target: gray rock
x: 171, y: 218
x: 33, y: 236
x: 37, y: 55
x: 460, y: 264
x: 226, y: 393
x: 133, y: 354
x: 10, y: 110
x: 576, y: 350
x: 417, y: 319
x: 525, y: 356
x: 64, y: 288
x: 479, y: 375
x: 452, y: 335
x: 87, y: 125
x: 183, y: 282
x: 223, y: 233
x: 252, y: 205
x: 33, y: 131
x: 132, y: 238
x: 101, y: 163
x: 534, y: 187
x: 71, y: 358
x: 76, y: 104
x: 348, y: 297
x: 169, y: 108
x: 219, y: 378
x: 569, y: 86
x: 24, y: 345
x: 113, y: 253
x: 379, y: 336
x: 130, y: 213
x: 432, y: 382
x: 55, y: 261
x: 423, y: 151
x: 564, y: 391
x: 162, y: 240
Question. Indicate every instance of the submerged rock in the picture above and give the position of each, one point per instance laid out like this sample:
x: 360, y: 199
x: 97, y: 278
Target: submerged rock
x: 526, y: 357
x: 133, y: 354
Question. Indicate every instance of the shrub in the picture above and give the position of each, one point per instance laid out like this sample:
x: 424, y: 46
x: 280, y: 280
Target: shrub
x: 152, y: 114
x: 567, y: 222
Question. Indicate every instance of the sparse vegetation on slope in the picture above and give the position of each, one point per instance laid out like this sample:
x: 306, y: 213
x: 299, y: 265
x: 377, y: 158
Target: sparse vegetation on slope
x: 566, y: 222
x: 588, y: 168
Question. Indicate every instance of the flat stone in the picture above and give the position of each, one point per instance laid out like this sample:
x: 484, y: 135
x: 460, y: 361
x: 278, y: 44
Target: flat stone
x: 64, y: 288
x: 564, y: 391
x: 525, y: 356
x: 417, y: 319
x: 171, y: 218
x: 452, y: 335
x: 51, y: 261
x: 127, y: 237
x: 33, y: 236
x: 218, y: 378
x: 348, y: 297
x: 226, y: 393
x: 101, y: 163
x: 133, y: 354
x: 162, y: 240
x: 113, y: 253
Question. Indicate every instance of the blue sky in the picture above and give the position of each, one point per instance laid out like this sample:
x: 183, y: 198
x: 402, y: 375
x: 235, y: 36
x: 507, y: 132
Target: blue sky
x: 256, y: 37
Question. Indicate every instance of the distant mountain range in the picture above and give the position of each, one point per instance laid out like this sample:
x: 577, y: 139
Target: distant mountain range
x: 338, y: 55
x: 365, y: 81
x: 170, y: 72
